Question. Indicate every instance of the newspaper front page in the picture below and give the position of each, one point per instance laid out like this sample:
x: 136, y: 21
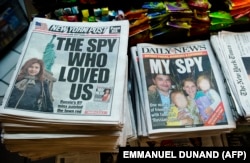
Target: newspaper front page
x: 84, y: 66
x: 234, y: 101
x: 172, y: 106
x: 235, y: 53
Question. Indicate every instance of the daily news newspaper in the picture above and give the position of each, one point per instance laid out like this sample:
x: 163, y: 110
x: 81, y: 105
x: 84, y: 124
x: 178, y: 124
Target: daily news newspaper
x: 163, y: 69
x: 82, y: 62
x: 233, y: 53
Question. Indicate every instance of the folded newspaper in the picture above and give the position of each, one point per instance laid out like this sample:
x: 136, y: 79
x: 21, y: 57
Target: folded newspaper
x: 232, y: 50
x: 183, y: 93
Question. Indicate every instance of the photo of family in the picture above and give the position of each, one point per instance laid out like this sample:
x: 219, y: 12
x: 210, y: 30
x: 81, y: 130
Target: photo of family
x: 192, y: 104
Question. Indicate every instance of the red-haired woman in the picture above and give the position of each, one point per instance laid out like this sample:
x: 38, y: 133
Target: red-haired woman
x: 31, y: 91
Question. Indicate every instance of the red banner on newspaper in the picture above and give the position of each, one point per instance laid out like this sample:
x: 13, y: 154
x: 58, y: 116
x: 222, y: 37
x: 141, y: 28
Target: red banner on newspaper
x: 216, y: 115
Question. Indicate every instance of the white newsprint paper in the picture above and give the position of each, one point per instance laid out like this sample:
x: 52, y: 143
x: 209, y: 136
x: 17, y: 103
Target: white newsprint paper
x: 82, y: 61
x: 234, y: 57
x: 164, y: 68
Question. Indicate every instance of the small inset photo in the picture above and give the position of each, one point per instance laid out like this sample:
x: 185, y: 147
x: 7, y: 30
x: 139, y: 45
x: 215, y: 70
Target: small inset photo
x: 103, y: 94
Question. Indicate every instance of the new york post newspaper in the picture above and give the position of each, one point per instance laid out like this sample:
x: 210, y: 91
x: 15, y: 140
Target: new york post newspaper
x: 84, y: 72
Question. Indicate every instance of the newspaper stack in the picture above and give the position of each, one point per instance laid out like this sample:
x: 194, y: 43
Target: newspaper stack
x: 232, y: 51
x: 69, y: 90
x: 179, y: 92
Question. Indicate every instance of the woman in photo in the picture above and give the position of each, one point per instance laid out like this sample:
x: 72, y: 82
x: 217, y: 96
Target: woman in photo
x: 106, y: 95
x: 31, y: 91
x: 190, y: 88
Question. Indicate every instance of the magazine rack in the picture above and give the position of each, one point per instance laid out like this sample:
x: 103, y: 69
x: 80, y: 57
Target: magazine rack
x: 13, y: 24
x: 176, y: 34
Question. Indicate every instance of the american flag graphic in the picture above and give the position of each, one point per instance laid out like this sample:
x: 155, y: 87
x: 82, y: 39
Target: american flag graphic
x: 41, y: 26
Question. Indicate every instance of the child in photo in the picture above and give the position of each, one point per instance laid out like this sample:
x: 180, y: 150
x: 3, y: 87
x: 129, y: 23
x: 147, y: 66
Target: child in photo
x: 211, y: 98
x: 179, y: 113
